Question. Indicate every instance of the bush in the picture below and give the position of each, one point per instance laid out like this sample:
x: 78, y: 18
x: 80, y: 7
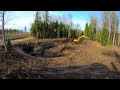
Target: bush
x: 8, y: 43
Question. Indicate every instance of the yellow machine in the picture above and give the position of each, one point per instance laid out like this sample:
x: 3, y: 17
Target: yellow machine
x: 79, y: 39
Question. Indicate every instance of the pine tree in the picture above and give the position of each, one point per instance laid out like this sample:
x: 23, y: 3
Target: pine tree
x: 36, y: 26
x: 33, y: 30
x: 94, y: 34
x: 104, y: 37
x: 106, y: 23
x: 90, y: 33
x: 46, y: 24
x: 87, y: 30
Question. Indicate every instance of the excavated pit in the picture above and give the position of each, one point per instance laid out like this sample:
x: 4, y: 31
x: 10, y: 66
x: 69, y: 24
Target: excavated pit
x: 45, y: 49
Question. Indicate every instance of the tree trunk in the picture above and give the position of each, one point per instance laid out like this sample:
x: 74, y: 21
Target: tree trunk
x: 37, y: 35
x: 3, y: 32
x: 118, y: 39
x: 114, y: 38
x: 109, y: 38
x: 58, y: 34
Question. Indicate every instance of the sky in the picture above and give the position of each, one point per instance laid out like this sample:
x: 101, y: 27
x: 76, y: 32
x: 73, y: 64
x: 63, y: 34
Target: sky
x: 20, y: 19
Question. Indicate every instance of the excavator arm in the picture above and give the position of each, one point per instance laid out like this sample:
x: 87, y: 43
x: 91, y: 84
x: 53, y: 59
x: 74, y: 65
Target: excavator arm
x: 81, y: 37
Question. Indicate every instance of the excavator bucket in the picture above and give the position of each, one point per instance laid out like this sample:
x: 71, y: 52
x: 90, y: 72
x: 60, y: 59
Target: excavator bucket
x: 75, y: 40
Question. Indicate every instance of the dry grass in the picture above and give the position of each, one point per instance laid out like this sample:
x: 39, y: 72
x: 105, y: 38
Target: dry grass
x: 29, y: 39
x: 15, y: 35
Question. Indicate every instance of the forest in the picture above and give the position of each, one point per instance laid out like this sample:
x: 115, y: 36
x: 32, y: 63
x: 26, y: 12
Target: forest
x: 107, y: 33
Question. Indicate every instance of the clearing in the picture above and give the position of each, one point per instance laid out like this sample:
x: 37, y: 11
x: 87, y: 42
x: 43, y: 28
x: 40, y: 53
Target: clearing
x: 60, y: 59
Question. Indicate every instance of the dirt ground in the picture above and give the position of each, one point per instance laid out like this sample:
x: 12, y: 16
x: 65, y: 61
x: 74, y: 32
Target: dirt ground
x: 1, y: 41
x: 60, y: 59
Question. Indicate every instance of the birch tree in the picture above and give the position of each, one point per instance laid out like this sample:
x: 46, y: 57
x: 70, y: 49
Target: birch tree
x: 106, y: 24
x: 2, y: 14
x: 114, y: 27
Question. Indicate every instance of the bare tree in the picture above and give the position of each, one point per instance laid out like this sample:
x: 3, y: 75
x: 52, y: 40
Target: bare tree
x: 93, y: 22
x: 114, y: 27
x: 2, y: 14
x: 106, y: 23
x: 118, y: 31
x: 94, y: 25
x: 70, y: 24
x: 78, y: 26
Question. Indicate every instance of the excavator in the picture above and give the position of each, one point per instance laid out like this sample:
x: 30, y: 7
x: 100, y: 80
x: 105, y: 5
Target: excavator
x: 81, y: 38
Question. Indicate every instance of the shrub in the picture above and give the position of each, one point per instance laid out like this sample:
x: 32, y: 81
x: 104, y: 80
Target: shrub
x: 8, y: 43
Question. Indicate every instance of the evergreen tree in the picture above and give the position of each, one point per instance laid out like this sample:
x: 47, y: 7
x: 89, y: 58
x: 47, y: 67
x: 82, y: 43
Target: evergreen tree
x: 90, y: 33
x: 36, y: 26
x: 48, y: 28
x: 94, y: 34
x: 87, y: 30
x: 104, y: 37
x: 46, y: 24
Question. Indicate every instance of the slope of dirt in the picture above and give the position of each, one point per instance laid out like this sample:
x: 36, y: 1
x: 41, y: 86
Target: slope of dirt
x: 61, y: 59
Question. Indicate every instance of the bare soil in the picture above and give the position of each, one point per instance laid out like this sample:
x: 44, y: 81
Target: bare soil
x: 1, y: 42
x: 60, y: 59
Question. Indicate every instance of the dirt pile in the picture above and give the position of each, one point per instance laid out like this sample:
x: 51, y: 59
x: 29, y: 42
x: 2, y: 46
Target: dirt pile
x: 45, y: 49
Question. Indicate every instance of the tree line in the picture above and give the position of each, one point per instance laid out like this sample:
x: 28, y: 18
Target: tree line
x: 11, y: 31
x: 45, y: 27
x: 105, y: 32
x: 108, y: 32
